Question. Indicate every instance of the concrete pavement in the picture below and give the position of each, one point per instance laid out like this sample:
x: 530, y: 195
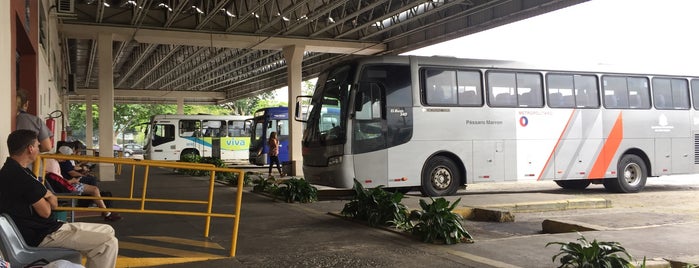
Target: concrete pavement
x: 277, y: 234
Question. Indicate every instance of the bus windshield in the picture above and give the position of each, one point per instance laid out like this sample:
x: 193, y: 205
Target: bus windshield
x: 326, y: 124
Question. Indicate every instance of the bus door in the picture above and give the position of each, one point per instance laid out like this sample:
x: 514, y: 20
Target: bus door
x: 369, y: 128
x: 212, y: 131
x: 161, y: 143
x: 282, y: 129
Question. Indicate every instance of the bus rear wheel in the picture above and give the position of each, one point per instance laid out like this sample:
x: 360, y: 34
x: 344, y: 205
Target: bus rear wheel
x: 631, y: 175
x: 439, y: 177
x: 573, y: 184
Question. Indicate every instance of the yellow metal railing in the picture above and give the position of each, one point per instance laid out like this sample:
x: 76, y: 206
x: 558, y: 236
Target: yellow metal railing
x: 143, y: 198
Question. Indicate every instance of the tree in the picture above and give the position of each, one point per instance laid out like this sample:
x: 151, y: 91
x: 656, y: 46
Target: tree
x: 131, y: 117
x: 249, y: 105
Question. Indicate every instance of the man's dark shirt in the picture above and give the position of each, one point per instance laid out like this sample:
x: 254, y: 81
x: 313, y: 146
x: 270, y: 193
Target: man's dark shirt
x: 18, y: 192
x: 66, y: 167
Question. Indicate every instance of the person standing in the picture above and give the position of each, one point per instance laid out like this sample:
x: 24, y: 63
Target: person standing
x: 32, y: 122
x: 30, y: 204
x: 273, y: 143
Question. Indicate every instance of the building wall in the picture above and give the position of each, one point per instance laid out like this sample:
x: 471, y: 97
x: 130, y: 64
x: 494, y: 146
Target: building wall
x: 6, y: 78
x: 39, y: 69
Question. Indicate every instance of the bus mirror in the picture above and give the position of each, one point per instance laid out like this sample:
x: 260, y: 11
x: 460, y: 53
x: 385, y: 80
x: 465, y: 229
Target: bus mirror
x: 247, y: 124
x: 303, y: 107
x: 358, y: 101
x: 297, y: 113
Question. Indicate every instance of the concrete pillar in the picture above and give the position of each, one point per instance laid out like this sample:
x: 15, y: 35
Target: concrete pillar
x: 106, y: 104
x: 65, y: 109
x: 88, y: 122
x: 294, y: 58
x: 7, y: 96
x: 180, y: 105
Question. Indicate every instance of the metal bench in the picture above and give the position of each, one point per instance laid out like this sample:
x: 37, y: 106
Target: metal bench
x: 19, y: 254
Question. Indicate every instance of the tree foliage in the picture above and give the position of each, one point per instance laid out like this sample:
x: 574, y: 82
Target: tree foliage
x: 130, y: 117
x: 249, y: 105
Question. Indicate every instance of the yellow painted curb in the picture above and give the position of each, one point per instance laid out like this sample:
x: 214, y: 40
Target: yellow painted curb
x: 149, y: 262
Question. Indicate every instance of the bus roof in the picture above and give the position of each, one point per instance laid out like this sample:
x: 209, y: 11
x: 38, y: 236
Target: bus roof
x: 276, y: 112
x: 198, y: 116
x: 649, y: 69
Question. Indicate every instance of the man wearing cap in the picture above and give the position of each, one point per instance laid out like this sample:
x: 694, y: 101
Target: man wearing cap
x: 30, y: 204
x: 68, y: 169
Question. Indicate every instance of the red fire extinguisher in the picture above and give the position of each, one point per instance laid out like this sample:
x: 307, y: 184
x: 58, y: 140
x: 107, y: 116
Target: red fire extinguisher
x: 51, y: 124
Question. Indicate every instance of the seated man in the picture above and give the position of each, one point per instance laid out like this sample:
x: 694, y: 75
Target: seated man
x: 30, y: 204
x: 83, y: 166
x: 53, y: 172
x: 69, y: 170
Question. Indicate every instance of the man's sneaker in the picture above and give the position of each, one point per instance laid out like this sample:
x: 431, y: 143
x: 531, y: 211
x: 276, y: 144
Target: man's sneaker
x: 112, y: 217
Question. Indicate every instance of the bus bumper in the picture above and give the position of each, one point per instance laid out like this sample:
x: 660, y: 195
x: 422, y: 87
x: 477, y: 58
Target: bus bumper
x: 338, y: 176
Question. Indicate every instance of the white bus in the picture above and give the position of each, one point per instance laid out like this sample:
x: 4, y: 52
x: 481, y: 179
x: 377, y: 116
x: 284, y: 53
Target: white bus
x: 440, y: 123
x: 170, y: 137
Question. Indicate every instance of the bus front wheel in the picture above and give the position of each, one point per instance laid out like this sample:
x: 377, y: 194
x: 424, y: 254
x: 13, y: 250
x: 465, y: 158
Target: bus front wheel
x: 439, y: 177
x: 631, y: 175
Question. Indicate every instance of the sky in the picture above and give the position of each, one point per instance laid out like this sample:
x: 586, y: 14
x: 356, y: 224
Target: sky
x: 617, y: 32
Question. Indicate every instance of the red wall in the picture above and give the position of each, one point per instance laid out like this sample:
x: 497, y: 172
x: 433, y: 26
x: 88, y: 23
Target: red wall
x: 25, y: 44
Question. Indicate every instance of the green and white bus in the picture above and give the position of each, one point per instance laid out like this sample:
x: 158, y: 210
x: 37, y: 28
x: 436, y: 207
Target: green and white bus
x: 172, y: 136
x: 439, y: 123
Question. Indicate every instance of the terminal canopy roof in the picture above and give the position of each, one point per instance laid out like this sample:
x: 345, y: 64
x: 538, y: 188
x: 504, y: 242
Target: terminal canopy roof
x: 230, y: 49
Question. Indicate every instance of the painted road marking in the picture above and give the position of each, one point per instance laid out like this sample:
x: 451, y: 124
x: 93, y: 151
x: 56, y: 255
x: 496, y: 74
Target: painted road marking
x: 176, y: 255
x: 181, y: 241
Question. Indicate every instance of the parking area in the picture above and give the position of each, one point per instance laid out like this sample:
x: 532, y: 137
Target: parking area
x: 659, y: 223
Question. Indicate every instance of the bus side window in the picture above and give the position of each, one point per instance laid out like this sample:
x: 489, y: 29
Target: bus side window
x: 586, y: 91
x: 680, y: 94
x: 501, y: 89
x: 469, y: 88
x: 639, y: 92
x: 529, y: 90
x: 615, y: 92
x: 695, y: 93
x: 163, y: 134
x: 440, y: 87
x: 670, y: 94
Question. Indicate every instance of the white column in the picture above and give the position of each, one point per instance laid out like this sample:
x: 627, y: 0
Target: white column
x: 294, y: 58
x: 88, y: 122
x: 180, y: 105
x: 106, y: 104
x: 7, y: 60
x: 65, y: 109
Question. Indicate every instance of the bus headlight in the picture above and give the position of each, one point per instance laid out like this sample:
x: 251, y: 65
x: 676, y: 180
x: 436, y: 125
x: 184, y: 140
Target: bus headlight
x: 334, y: 160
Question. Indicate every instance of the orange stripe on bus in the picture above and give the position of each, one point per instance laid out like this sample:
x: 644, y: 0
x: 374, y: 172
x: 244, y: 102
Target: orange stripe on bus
x: 611, y: 145
x: 570, y: 118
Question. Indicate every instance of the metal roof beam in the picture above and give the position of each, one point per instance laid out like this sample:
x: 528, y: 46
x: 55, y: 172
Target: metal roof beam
x: 220, y: 40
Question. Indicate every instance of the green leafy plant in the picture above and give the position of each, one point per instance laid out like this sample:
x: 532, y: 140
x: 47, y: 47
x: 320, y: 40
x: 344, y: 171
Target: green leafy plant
x: 264, y: 185
x: 190, y: 158
x: 376, y: 206
x: 436, y: 222
x: 297, y: 190
x: 226, y: 177
x: 591, y: 254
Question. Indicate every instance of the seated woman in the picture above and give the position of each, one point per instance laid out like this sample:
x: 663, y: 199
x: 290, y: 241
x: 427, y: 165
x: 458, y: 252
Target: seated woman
x: 53, y: 171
